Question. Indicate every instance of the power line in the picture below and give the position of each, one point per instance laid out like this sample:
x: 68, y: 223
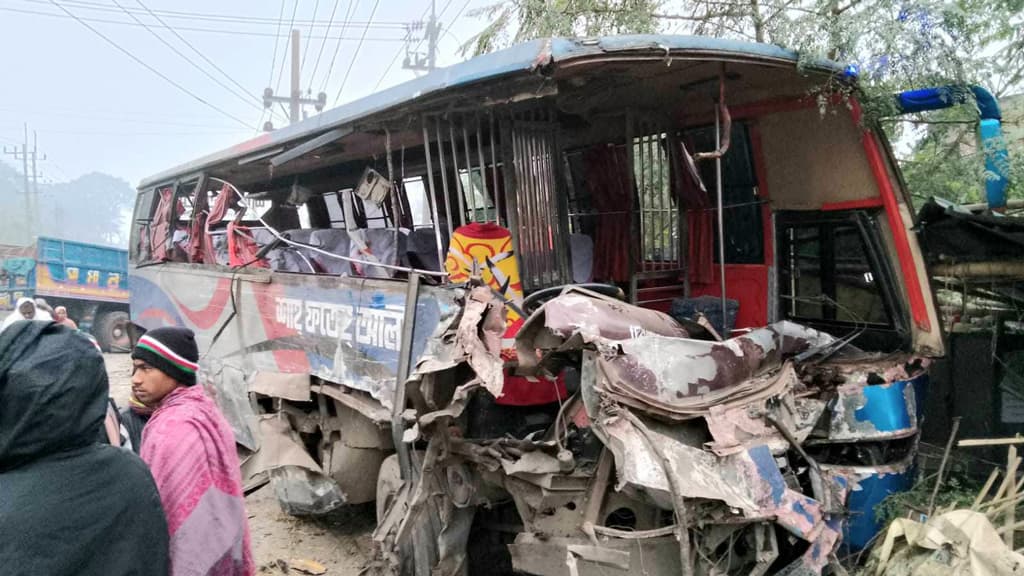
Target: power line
x: 119, y: 116
x: 245, y: 91
x: 323, y: 45
x: 316, y: 8
x: 459, y: 13
x: 398, y: 53
x: 355, y: 55
x: 334, y: 57
x: 144, y: 133
x: 82, y: 116
x: 277, y: 87
x: 273, y: 60
x: 273, y: 64
x: 221, y: 31
x: 212, y: 17
x: 150, y: 68
x: 186, y: 58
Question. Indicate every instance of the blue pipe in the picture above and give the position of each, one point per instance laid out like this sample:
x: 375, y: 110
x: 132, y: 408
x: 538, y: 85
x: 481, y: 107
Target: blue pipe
x: 991, y: 138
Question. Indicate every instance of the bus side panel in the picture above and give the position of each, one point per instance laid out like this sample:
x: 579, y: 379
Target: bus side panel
x: 343, y: 330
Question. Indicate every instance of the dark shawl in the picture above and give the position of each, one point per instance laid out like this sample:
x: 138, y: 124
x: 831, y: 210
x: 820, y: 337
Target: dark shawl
x: 68, y: 505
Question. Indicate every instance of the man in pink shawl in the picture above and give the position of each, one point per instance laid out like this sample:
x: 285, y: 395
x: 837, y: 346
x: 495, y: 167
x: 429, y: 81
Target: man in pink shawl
x: 190, y: 450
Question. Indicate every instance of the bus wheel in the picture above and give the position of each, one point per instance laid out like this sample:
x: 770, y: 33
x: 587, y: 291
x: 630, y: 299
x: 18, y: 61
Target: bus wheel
x: 111, y: 331
x: 389, y: 481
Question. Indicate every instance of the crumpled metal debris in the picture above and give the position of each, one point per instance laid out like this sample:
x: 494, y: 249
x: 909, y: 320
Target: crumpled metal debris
x: 707, y: 429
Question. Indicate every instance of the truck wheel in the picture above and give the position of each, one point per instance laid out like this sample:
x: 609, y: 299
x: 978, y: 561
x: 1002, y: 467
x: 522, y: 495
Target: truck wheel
x: 111, y: 331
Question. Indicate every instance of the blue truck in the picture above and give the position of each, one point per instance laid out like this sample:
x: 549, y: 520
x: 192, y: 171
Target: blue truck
x: 91, y: 281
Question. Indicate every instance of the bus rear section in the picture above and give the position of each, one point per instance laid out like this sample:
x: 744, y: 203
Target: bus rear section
x: 636, y: 304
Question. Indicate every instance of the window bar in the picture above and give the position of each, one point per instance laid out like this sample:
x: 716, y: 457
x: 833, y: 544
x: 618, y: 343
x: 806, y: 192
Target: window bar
x: 396, y: 216
x: 558, y: 251
x: 662, y: 229
x: 433, y: 195
x: 640, y: 174
x: 483, y: 165
x: 650, y: 225
x: 546, y: 211
x: 541, y: 224
x: 537, y: 244
x: 471, y: 192
x: 526, y: 194
x: 458, y: 177
x: 444, y: 181
x: 494, y: 173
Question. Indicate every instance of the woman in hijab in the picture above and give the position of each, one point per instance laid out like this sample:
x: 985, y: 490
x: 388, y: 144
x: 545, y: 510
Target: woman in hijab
x: 69, y: 505
x: 25, y: 310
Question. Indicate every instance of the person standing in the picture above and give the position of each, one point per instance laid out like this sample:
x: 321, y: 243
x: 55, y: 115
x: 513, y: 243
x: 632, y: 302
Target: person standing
x: 60, y: 316
x: 69, y: 505
x: 190, y: 449
x: 25, y: 309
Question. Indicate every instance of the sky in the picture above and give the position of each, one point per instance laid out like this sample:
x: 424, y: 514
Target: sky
x: 97, y: 107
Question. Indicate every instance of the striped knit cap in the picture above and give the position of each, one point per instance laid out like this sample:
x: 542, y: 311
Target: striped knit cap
x: 171, y: 350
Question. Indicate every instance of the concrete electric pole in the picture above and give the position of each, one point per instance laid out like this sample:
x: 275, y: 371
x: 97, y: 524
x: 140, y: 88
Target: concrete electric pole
x: 295, y: 100
x: 31, y: 192
x: 415, y: 59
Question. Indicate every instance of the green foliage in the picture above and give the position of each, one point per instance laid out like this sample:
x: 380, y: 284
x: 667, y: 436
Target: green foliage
x: 958, y: 491
x: 896, y: 44
x: 521, y: 20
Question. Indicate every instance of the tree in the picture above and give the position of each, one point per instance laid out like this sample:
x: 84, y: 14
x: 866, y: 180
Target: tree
x: 91, y: 208
x: 895, y: 44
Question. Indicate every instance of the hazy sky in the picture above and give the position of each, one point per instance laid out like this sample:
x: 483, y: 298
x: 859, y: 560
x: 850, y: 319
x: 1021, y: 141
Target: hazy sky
x: 96, y: 109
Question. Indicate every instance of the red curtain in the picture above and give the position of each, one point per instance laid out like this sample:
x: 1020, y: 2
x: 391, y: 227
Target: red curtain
x: 226, y: 199
x: 700, y: 217
x: 160, y: 226
x: 611, y: 190
x: 197, y: 228
x: 242, y: 248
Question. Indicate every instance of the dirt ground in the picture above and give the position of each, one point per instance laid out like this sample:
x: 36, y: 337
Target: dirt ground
x: 340, y: 541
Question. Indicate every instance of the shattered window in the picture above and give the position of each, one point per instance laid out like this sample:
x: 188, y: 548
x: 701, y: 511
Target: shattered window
x: 826, y: 274
x: 334, y: 210
x: 479, y: 207
x: 741, y: 201
x: 419, y: 203
x: 141, y: 251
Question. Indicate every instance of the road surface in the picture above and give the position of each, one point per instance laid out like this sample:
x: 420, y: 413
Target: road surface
x: 340, y: 541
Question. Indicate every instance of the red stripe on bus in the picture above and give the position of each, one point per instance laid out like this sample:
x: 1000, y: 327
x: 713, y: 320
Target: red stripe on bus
x: 918, y: 309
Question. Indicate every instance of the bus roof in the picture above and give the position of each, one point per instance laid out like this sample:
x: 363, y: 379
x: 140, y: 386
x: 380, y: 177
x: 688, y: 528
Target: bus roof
x: 521, y: 58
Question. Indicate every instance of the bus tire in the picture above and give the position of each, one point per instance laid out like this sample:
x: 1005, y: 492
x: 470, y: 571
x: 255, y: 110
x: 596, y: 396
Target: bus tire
x: 389, y: 481
x: 111, y: 331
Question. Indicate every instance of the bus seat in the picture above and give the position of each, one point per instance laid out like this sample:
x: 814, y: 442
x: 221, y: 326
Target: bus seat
x: 335, y: 241
x: 219, y: 241
x: 581, y: 250
x: 421, y: 248
x: 381, y: 242
x: 286, y: 258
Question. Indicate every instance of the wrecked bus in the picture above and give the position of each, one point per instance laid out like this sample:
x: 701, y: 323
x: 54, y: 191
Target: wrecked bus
x: 639, y: 304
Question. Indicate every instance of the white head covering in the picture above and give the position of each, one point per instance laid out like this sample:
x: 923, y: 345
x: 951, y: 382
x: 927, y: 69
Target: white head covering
x: 41, y: 315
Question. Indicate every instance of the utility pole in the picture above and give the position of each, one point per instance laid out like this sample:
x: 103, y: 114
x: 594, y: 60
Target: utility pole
x: 31, y: 192
x: 414, y: 59
x: 295, y: 101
